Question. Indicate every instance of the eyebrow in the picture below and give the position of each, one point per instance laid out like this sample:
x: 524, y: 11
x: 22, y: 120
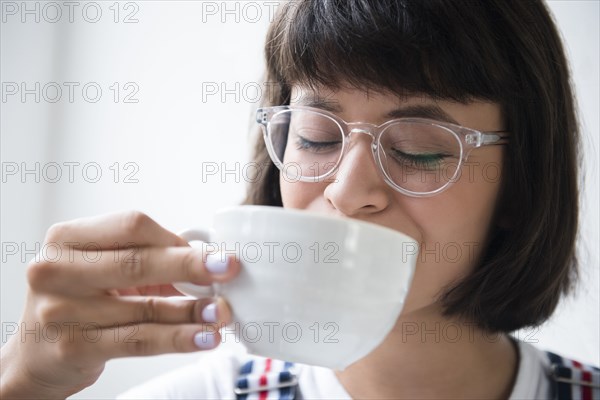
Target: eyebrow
x: 429, y: 111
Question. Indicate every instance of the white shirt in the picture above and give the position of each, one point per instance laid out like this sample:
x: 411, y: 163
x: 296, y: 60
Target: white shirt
x: 215, y: 374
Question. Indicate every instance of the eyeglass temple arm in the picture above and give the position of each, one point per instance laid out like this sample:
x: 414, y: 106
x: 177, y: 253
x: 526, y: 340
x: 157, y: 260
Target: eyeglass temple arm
x: 486, y: 138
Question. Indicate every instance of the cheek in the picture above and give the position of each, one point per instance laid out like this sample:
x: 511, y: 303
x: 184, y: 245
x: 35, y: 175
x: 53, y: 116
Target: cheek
x: 299, y: 195
x: 454, y: 227
x: 445, y: 253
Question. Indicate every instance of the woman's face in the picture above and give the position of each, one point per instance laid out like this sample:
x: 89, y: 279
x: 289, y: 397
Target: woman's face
x: 451, y: 227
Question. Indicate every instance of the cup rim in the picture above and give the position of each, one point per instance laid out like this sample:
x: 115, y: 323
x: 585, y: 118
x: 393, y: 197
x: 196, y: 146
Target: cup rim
x: 313, y: 214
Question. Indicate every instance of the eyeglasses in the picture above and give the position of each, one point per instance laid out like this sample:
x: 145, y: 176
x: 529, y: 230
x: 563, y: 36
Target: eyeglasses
x: 418, y: 157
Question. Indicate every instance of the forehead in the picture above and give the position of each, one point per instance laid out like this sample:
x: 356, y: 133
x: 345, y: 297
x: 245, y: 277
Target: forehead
x: 332, y: 97
x: 354, y: 104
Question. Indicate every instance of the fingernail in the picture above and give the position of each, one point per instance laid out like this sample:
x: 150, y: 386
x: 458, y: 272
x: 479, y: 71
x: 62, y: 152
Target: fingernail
x: 209, y: 313
x: 217, y: 263
x: 204, y: 340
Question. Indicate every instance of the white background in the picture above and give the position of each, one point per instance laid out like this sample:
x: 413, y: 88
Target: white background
x: 174, y: 54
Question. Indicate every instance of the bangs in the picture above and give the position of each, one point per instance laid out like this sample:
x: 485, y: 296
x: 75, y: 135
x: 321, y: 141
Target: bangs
x: 437, y: 48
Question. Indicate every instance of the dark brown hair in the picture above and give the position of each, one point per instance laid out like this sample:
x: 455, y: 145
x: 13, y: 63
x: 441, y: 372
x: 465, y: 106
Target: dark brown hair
x: 505, y: 51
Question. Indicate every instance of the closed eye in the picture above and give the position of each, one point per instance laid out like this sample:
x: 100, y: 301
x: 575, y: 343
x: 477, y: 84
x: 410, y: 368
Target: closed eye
x: 427, y: 161
x: 320, y: 146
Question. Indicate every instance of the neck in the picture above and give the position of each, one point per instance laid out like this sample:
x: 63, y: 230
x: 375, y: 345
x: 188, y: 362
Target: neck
x: 428, y: 356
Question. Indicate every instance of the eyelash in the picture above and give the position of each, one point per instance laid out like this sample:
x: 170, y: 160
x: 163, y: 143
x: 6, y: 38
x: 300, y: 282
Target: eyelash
x: 418, y: 161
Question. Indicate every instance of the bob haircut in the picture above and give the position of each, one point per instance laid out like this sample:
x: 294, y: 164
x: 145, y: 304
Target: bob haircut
x: 505, y: 51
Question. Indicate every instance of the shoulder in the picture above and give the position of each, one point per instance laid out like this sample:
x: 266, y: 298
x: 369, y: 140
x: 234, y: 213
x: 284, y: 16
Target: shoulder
x: 573, y: 379
x: 212, y: 376
x: 217, y: 375
x: 546, y: 375
x: 285, y: 380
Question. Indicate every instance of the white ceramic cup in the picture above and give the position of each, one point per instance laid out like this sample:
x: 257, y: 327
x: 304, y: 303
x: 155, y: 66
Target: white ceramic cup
x: 313, y: 289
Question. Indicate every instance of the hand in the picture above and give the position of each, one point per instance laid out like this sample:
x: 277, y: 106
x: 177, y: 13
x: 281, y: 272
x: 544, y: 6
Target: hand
x: 98, y: 294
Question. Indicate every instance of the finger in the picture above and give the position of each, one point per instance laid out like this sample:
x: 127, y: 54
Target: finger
x: 146, y: 340
x: 115, y: 311
x: 117, y: 230
x: 85, y: 274
x: 151, y: 290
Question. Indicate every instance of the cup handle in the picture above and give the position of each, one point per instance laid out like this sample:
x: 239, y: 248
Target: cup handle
x: 187, y: 288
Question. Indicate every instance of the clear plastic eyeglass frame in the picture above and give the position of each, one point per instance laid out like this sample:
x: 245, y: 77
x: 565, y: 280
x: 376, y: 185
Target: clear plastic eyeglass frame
x: 467, y: 138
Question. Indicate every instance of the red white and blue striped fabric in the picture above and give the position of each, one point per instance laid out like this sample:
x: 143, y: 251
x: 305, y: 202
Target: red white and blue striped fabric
x: 263, y: 379
x: 266, y: 379
x: 574, y: 380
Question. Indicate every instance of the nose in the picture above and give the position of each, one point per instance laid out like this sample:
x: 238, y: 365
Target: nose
x: 358, y: 187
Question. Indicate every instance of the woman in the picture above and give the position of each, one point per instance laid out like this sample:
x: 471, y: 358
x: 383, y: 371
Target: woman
x: 440, y: 71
